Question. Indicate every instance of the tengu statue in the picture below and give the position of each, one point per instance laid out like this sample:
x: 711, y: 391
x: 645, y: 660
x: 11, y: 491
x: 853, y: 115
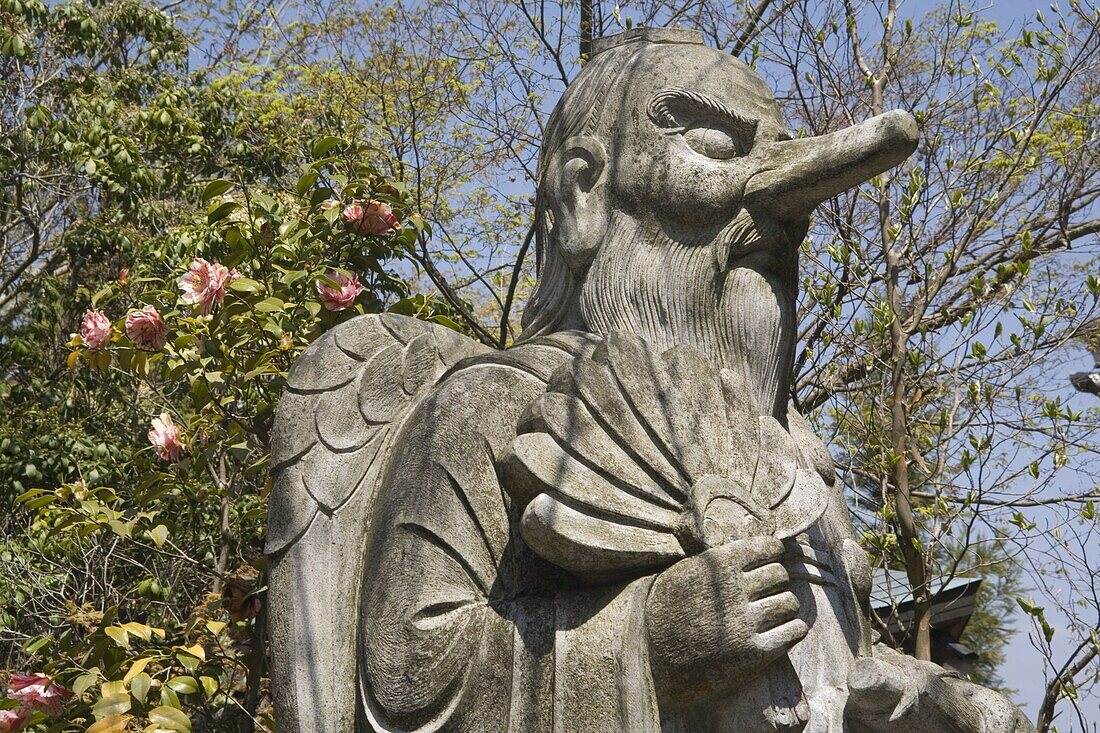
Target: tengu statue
x: 617, y: 525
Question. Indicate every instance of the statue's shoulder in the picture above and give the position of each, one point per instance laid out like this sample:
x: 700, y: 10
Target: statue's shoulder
x: 479, y: 400
x: 536, y: 358
x: 347, y: 395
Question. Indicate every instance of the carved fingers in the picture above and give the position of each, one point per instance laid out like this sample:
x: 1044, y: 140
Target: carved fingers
x: 720, y: 618
x: 767, y: 580
x: 767, y: 613
x: 772, y: 609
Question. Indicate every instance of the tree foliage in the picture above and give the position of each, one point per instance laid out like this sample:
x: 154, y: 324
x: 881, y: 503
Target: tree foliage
x: 942, y: 301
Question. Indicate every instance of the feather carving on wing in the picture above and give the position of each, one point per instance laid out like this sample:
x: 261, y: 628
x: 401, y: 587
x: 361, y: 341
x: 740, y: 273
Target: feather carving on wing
x: 347, y: 397
x: 634, y: 459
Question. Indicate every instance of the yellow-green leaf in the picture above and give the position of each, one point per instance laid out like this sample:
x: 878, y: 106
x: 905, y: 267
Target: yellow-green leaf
x: 115, y: 723
x: 136, y: 668
x: 139, y: 686
x: 112, y: 705
x: 140, y: 630
x: 195, y: 651
x: 86, y: 680
x: 270, y: 305
x: 159, y: 534
x: 245, y: 285
x: 168, y: 698
x: 209, y: 685
x: 119, y: 635
x: 112, y: 688
x: 170, y: 718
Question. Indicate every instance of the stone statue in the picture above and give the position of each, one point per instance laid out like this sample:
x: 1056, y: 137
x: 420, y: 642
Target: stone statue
x: 618, y: 524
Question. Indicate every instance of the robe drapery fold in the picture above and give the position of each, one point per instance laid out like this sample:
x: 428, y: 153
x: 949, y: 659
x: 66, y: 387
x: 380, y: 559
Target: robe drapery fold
x: 463, y: 627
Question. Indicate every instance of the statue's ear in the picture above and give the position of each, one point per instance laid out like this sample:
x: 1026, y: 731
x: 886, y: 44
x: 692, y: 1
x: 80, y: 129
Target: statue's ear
x: 580, y: 207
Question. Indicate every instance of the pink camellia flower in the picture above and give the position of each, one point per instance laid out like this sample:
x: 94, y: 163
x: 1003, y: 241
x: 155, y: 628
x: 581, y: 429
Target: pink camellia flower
x: 146, y: 328
x: 337, y: 299
x: 205, y: 284
x: 124, y: 275
x: 353, y: 213
x: 374, y: 218
x: 95, y: 329
x: 38, y: 692
x: 13, y: 721
x: 166, y: 439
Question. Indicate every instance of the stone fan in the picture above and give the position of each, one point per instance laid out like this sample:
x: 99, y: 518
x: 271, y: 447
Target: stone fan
x: 634, y: 459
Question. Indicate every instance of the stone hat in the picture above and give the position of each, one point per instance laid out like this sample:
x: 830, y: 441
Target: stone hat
x: 646, y: 35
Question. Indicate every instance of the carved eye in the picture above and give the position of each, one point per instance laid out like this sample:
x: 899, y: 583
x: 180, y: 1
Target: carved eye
x: 716, y: 141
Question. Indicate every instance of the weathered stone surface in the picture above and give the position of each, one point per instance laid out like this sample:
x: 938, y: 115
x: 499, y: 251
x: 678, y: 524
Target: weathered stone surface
x: 618, y: 525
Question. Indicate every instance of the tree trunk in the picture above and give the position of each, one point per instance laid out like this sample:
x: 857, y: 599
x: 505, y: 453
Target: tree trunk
x: 586, y: 29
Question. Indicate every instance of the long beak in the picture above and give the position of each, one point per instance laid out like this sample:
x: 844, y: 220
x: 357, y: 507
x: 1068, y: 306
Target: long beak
x: 800, y: 174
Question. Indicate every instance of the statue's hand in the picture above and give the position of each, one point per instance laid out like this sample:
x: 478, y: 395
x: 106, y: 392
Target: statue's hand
x: 717, y: 619
x: 904, y: 695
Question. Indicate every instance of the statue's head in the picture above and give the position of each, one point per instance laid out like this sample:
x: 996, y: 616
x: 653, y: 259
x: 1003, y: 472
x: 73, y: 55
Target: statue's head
x: 672, y: 201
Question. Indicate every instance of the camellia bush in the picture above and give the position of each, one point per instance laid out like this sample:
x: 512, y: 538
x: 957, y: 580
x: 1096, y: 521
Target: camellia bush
x: 166, y: 534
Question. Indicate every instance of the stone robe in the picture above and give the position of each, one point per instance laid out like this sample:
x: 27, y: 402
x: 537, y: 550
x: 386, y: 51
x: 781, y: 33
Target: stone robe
x: 464, y: 628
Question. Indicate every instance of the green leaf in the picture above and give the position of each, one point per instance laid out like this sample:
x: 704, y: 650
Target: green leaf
x: 170, y: 719
x: 190, y: 663
x: 245, y: 285
x: 215, y: 188
x: 168, y: 698
x: 306, y: 182
x: 85, y: 681
x: 293, y: 276
x: 270, y: 305
x: 445, y: 321
x: 220, y: 212
x: 100, y: 293
x: 183, y: 685
x: 324, y: 145
x: 139, y: 686
x: 32, y: 647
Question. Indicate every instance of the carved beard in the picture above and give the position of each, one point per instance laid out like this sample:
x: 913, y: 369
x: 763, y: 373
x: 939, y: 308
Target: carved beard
x: 740, y: 314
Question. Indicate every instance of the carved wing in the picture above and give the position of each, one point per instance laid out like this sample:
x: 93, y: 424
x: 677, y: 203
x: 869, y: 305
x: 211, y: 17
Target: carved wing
x: 346, y: 399
x: 635, y: 458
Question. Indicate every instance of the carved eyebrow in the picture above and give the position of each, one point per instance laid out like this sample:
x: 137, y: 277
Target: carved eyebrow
x: 664, y: 104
